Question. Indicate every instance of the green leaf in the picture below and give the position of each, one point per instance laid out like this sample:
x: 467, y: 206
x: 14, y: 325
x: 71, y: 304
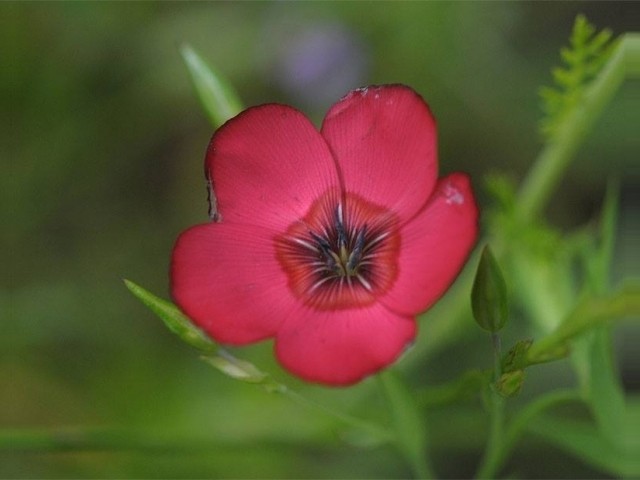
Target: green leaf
x: 489, y: 294
x: 609, y: 223
x: 591, y: 312
x: 173, y: 318
x: 217, y: 97
x: 605, y: 392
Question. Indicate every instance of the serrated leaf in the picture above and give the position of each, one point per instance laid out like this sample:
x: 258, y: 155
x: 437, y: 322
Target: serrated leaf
x: 583, y: 59
x: 173, y: 318
x: 218, y: 99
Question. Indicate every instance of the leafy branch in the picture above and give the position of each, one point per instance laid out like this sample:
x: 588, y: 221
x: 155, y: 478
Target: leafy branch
x: 574, y: 118
x: 584, y: 58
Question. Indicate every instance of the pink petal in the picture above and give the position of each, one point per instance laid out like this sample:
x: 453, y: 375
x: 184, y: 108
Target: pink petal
x: 226, y: 278
x: 384, y: 139
x: 434, y: 246
x: 267, y: 165
x: 342, y: 347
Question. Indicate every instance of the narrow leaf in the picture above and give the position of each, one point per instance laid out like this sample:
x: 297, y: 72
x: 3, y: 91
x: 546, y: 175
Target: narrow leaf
x: 217, y: 97
x: 173, y: 318
x: 590, y: 313
x: 606, y: 394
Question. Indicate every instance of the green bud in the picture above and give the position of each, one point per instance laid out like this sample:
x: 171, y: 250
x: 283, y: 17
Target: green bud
x: 489, y: 294
x: 510, y: 384
x: 516, y: 357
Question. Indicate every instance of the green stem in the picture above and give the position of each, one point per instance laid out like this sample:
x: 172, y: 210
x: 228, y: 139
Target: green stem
x: 557, y: 154
x: 496, y: 414
x: 409, y: 425
x: 519, y: 424
x: 373, y: 431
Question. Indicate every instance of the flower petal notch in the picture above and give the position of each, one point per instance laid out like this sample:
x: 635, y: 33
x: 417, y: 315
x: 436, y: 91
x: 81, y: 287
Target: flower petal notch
x: 331, y: 242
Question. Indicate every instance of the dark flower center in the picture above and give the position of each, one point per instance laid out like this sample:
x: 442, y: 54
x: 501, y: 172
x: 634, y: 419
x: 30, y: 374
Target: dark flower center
x: 342, y: 254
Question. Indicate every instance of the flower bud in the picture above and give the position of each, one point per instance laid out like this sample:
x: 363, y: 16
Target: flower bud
x: 489, y: 294
x: 509, y: 384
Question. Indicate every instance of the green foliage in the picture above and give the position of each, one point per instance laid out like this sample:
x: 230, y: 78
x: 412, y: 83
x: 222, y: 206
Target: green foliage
x: 173, y: 318
x: 583, y: 58
x: 592, y: 312
x: 215, y: 356
x: 117, y: 133
x: 217, y: 97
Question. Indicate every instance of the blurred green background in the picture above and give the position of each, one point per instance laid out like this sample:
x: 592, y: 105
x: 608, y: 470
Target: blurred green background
x: 105, y: 140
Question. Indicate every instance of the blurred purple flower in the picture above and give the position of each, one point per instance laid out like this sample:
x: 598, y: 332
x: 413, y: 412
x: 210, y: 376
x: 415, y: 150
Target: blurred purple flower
x: 315, y: 63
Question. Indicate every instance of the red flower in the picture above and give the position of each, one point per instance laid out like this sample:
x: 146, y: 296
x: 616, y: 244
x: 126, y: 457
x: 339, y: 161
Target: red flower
x: 331, y: 242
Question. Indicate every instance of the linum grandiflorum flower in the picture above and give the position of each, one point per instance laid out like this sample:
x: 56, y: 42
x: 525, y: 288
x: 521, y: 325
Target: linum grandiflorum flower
x: 330, y: 242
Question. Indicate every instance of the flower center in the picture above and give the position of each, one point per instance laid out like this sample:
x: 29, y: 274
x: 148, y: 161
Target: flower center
x: 342, y: 254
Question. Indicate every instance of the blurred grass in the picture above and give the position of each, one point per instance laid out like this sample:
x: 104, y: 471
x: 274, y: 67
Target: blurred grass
x: 103, y: 146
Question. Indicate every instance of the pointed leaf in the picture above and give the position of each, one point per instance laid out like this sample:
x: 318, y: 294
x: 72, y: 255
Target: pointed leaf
x: 605, y: 391
x: 218, y: 98
x: 173, y: 318
x: 588, y: 314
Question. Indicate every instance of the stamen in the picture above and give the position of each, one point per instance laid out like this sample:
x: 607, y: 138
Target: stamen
x: 356, y: 254
x: 305, y: 244
x: 364, y: 283
x: 319, y: 282
x: 377, y: 239
x: 342, y: 236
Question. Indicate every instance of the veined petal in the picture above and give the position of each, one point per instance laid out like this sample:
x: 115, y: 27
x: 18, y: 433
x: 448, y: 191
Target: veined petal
x: 384, y: 139
x: 342, y: 347
x: 434, y: 246
x: 268, y: 165
x: 226, y: 278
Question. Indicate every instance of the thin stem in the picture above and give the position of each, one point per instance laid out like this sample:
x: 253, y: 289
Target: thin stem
x: 495, y: 442
x: 372, y: 429
x: 409, y: 425
x: 519, y: 424
x: 557, y: 154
